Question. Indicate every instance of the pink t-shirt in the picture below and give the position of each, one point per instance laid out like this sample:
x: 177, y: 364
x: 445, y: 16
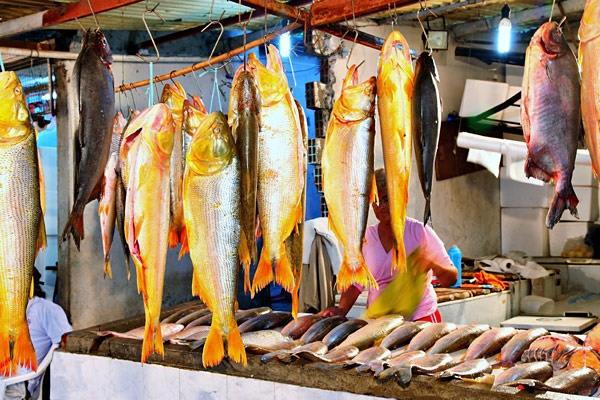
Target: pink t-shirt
x: 380, y: 262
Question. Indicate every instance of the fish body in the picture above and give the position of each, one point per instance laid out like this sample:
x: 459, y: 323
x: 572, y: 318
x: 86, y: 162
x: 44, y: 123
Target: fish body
x: 244, y: 119
x: 147, y: 148
x: 582, y: 381
x: 193, y: 316
x: 489, y: 343
x: 592, y: 339
x: 552, y: 341
x: 257, y: 341
x: 539, y: 370
x: 296, y: 328
x: 94, y: 97
x: 589, y: 53
x: 191, y: 333
x: 22, y: 223
x: 168, y: 331
x: 513, y: 350
x: 194, y: 113
x: 368, y: 355
x: 428, y: 336
x: 321, y: 328
x: 459, y: 339
x: 468, y: 369
x: 182, y: 313
x: 584, y: 357
x: 551, y: 115
x: 426, y: 122
x: 394, y: 91
x: 310, y: 351
x: 402, y: 360
x: 341, y: 354
x: 367, y: 335
x: 403, y: 334
x: 266, y: 321
x: 211, y: 204
x: 280, y: 171
x: 348, y: 183
x: 242, y: 316
x: 338, y: 334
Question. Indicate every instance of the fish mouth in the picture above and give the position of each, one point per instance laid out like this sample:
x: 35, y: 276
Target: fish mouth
x: 6, y: 79
x: 551, y: 38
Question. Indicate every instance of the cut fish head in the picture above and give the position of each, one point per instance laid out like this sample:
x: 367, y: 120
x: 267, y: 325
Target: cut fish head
x: 14, y: 112
x: 158, y: 134
x: 119, y: 124
x: 426, y: 63
x: 95, y: 39
x: 395, y: 53
x: 213, y: 147
x: 271, y: 79
x: 551, y: 39
x: 357, y: 101
x: 193, y: 115
x: 173, y: 96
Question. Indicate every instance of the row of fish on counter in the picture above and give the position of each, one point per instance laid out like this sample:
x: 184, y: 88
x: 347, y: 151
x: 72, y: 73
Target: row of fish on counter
x: 390, y: 347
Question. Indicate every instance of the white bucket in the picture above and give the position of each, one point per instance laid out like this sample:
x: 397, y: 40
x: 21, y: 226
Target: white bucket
x: 536, y: 305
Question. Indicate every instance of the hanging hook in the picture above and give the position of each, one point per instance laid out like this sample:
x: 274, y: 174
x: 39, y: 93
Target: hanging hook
x: 395, y: 19
x: 94, y: 14
x: 244, y: 26
x: 217, y: 41
x: 153, y: 10
x: 424, y: 31
x: 80, y: 24
x: 355, y: 37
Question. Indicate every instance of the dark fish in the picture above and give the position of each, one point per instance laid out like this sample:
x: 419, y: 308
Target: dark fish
x: 266, y: 321
x: 242, y: 316
x: 341, y: 332
x: 426, y: 122
x: 375, y: 366
x: 179, y: 314
x: 489, y: 343
x: 539, y: 370
x: 431, y: 364
x: 368, y: 355
x: 403, y: 359
x: 403, y: 334
x: 459, y: 339
x: 310, y: 351
x: 271, y: 353
x: 94, y: 93
x: 337, y: 356
x: 468, y: 369
x: 186, y: 319
x: 203, y: 320
x: 296, y: 328
x: 551, y: 115
x: 428, y: 336
x: 375, y: 330
x: 583, y: 381
x: 321, y: 328
x: 513, y: 350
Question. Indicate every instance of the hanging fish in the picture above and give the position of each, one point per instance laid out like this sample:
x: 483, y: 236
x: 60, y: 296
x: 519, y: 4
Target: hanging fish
x: 394, y: 91
x: 146, y: 149
x: 280, y: 170
x: 21, y: 222
x: 551, y: 116
x: 244, y: 119
x: 193, y: 115
x: 426, y: 123
x: 212, y: 211
x: 348, y: 182
x: 94, y: 93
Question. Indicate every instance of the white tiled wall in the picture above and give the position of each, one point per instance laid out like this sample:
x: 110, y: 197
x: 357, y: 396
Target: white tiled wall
x: 79, y: 376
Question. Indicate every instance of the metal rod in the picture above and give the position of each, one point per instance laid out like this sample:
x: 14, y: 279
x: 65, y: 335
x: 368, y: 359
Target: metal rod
x: 569, y: 31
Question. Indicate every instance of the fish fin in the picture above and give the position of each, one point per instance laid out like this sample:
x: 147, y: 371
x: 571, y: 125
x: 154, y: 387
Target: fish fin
x: 152, y: 338
x: 75, y: 227
x: 213, y: 351
x: 427, y: 213
x: 15, y: 352
x: 258, y: 230
x: 197, y: 290
x: 263, y: 275
x: 374, y: 195
x: 107, y: 270
x: 235, y: 346
x: 42, y: 183
x: 295, y: 299
x: 31, y: 288
x: 283, y: 271
x: 533, y: 170
x: 185, y: 246
x: 42, y: 243
x: 128, y: 268
x: 244, y: 255
x: 361, y: 275
x: 173, y: 238
x: 139, y: 272
x: 562, y: 199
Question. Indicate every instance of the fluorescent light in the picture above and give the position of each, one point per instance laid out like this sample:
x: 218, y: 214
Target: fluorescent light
x: 284, y: 45
x: 504, y: 28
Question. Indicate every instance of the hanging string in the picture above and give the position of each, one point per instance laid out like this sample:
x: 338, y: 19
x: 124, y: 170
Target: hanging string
x: 551, y: 11
x: 2, y: 63
x: 215, y: 88
x: 150, y: 90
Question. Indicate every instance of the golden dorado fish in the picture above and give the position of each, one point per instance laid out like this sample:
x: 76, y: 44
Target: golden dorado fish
x: 108, y: 194
x: 244, y: 119
x: 21, y: 223
x: 280, y: 170
x: 589, y: 54
x: 173, y: 97
x: 193, y: 114
x: 146, y: 149
x: 211, y: 204
x: 348, y: 183
x: 395, y: 78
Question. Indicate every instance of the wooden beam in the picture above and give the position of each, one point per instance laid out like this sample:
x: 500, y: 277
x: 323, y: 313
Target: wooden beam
x: 279, y: 9
x: 57, y: 15
x: 363, y: 38
x: 329, y: 11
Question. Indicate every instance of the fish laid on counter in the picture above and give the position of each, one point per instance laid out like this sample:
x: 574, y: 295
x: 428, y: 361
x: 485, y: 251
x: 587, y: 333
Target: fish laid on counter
x: 146, y: 149
x: 183, y: 312
x: 348, y: 180
x: 173, y: 97
x: 592, y: 339
x: 584, y: 357
x: 211, y: 208
x: 168, y: 331
x: 342, y: 331
x: 431, y: 364
x: 296, y: 328
x: 309, y: 351
x: 244, y: 119
x: 429, y: 335
x: 589, y: 53
x: 341, y: 354
x: 403, y: 359
x: 242, y: 316
x: 94, y: 97
x: 394, y: 91
x: 551, y: 115
x: 583, y: 381
x: 321, y: 328
x: 403, y: 334
x: 257, y: 342
x: 469, y: 369
x: 266, y: 321
x: 426, y: 122
x: 22, y: 223
x: 489, y: 343
x: 186, y: 319
x: 458, y: 339
x: 107, y: 209
x: 280, y: 170
x: 513, y: 350
x: 191, y: 332
x: 375, y: 330
x: 539, y: 370
x: 558, y: 355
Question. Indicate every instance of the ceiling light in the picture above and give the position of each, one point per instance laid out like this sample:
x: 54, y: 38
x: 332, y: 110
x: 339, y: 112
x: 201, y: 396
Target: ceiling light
x: 504, y: 29
x: 284, y: 45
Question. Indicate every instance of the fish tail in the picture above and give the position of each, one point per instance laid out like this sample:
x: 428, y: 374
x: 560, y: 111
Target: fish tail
x: 15, y: 352
x: 562, y: 199
x: 427, y: 213
x: 264, y: 273
x: 107, y: 270
x: 235, y: 346
x: 295, y: 299
x: 173, y: 237
x: 283, y: 271
x: 399, y: 259
x: 247, y: 284
x: 213, y: 351
x: 75, y: 227
x: 185, y: 246
x: 244, y: 256
x: 360, y: 274
x: 152, y: 338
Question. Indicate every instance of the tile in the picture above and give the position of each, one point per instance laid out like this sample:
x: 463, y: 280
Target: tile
x: 125, y: 380
x: 75, y: 376
x: 160, y: 382
x: 352, y: 396
x: 286, y: 392
x: 200, y: 385
x: 317, y: 394
x: 249, y: 389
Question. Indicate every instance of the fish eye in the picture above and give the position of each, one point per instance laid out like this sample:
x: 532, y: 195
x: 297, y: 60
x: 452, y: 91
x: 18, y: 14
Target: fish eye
x: 17, y: 91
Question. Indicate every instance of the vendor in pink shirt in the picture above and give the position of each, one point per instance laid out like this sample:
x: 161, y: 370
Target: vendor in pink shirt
x: 377, y: 252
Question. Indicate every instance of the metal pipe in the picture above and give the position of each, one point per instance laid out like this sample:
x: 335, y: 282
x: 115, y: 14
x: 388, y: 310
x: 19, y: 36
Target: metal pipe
x: 67, y: 55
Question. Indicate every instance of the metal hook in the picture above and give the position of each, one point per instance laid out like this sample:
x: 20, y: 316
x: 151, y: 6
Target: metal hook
x: 94, y: 14
x: 355, y: 37
x: 80, y: 24
x: 244, y: 26
x: 319, y: 37
x: 424, y: 31
x: 218, y: 39
x: 153, y: 10
x: 395, y: 19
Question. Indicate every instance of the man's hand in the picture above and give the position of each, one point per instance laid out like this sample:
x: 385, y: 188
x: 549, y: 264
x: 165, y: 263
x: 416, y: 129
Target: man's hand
x: 333, y: 312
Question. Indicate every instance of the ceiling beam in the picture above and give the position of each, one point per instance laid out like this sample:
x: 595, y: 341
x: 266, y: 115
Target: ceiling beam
x: 57, y: 15
x: 329, y: 11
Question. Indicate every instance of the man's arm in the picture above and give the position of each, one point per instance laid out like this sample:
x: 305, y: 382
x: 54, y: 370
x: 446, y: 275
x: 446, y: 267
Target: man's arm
x: 446, y: 274
x: 347, y: 300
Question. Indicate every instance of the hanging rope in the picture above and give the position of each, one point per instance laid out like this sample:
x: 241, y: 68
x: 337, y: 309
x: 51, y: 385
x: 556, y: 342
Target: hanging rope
x: 150, y: 90
x: 2, y: 63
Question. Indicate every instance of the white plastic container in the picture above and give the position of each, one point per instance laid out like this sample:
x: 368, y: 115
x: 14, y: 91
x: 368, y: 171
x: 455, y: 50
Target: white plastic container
x: 524, y: 229
x: 564, y: 231
x: 536, y: 305
x: 519, y: 194
x: 583, y: 176
x: 480, y: 96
